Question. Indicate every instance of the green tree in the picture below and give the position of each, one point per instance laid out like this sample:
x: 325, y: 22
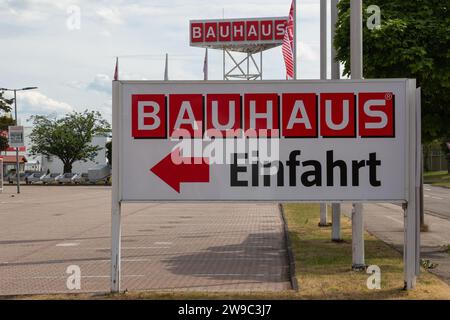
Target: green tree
x: 5, y: 104
x: 3, y: 143
x: 68, y: 138
x: 108, y: 147
x: 413, y: 42
x: 5, y: 120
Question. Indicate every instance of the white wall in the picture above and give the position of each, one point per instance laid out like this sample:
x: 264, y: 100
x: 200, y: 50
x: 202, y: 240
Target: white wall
x: 34, y: 162
x: 42, y: 163
x: 56, y: 166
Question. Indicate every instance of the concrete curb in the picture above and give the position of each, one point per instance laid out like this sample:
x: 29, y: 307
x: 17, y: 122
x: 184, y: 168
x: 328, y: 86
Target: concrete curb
x: 292, y: 277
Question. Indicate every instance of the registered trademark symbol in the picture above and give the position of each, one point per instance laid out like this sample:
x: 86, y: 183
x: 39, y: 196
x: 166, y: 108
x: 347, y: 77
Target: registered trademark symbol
x: 388, y: 96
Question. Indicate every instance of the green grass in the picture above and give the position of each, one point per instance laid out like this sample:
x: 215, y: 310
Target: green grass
x: 323, y: 268
x: 437, y: 178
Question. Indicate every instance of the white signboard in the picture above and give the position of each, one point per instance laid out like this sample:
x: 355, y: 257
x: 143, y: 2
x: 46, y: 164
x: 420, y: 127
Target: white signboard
x: 263, y: 140
x: 15, y: 136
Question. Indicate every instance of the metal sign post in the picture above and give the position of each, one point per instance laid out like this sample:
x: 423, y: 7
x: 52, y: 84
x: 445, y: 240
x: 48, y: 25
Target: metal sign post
x: 336, y: 234
x: 1, y: 175
x: 411, y: 251
x: 335, y: 66
x: 115, y: 196
x: 323, y: 39
x: 419, y: 175
x: 356, y: 65
x: 323, y: 76
x: 16, y: 140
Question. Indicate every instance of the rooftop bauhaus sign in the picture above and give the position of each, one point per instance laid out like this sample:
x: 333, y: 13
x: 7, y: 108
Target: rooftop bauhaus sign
x: 237, y: 32
x: 264, y: 140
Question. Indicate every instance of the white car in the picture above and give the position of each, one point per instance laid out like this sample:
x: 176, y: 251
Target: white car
x: 99, y: 173
x: 65, y: 178
x: 80, y: 178
x: 49, y: 178
x: 34, y: 177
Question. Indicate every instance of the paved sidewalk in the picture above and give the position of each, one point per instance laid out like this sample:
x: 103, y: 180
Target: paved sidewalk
x: 385, y: 221
x: 202, y: 247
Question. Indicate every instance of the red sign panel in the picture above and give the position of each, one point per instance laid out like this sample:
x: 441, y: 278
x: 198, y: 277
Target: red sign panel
x: 288, y: 115
x: 237, y: 31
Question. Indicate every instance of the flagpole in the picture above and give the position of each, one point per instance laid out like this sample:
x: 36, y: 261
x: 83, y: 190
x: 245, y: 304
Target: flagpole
x: 323, y: 39
x: 205, y: 67
x: 166, y: 70
x: 116, y: 70
x: 323, y: 76
x: 295, y: 39
x: 356, y: 40
x: 335, y: 68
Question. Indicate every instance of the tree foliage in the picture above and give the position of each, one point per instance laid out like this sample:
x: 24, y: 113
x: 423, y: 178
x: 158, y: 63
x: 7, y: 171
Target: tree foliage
x: 5, y: 122
x: 3, y: 143
x: 413, y: 42
x: 68, y: 138
x: 109, y: 152
x: 5, y: 104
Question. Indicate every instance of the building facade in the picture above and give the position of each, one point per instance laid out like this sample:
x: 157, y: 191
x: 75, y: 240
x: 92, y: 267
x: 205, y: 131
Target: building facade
x: 29, y: 162
x: 55, y: 165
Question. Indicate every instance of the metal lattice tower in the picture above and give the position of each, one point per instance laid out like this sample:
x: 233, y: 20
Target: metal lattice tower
x: 247, y: 68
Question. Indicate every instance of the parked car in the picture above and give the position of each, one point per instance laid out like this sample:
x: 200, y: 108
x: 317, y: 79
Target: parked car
x: 34, y: 177
x: 49, y: 178
x: 12, y: 178
x: 80, y: 178
x: 99, y: 173
x: 7, y: 177
x: 65, y: 178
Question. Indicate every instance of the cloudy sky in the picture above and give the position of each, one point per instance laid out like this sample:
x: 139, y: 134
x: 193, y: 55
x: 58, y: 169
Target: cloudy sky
x: 72, y: 62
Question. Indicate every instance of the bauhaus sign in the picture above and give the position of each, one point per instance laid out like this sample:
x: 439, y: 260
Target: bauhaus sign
x: 237, y: 31
x: 264, y: 140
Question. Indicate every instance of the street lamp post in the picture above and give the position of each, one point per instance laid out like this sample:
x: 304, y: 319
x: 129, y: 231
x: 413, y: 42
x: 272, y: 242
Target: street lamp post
x: 15, y: 120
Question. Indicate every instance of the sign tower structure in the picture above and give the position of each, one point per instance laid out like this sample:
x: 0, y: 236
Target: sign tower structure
x: 235, y: 37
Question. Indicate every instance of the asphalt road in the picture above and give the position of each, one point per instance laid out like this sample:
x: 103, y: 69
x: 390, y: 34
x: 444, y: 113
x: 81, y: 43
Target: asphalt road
x: 437, y: 201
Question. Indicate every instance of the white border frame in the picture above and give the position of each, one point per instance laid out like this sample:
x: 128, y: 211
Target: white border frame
x: 119, y: 109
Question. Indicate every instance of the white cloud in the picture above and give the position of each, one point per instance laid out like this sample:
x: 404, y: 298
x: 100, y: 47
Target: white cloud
x: 110, y: 15
x: 34, y: 102
x: 29, y: 11
x: 101, y: 83
x: 307, y: 53
x: 77, y: 66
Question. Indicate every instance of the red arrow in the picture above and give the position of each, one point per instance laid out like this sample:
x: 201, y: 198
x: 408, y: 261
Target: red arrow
x: 188, y: 170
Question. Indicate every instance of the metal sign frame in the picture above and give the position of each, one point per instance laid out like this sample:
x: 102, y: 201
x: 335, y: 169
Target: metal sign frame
x: 241, y: 68
x: 412, y: 136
